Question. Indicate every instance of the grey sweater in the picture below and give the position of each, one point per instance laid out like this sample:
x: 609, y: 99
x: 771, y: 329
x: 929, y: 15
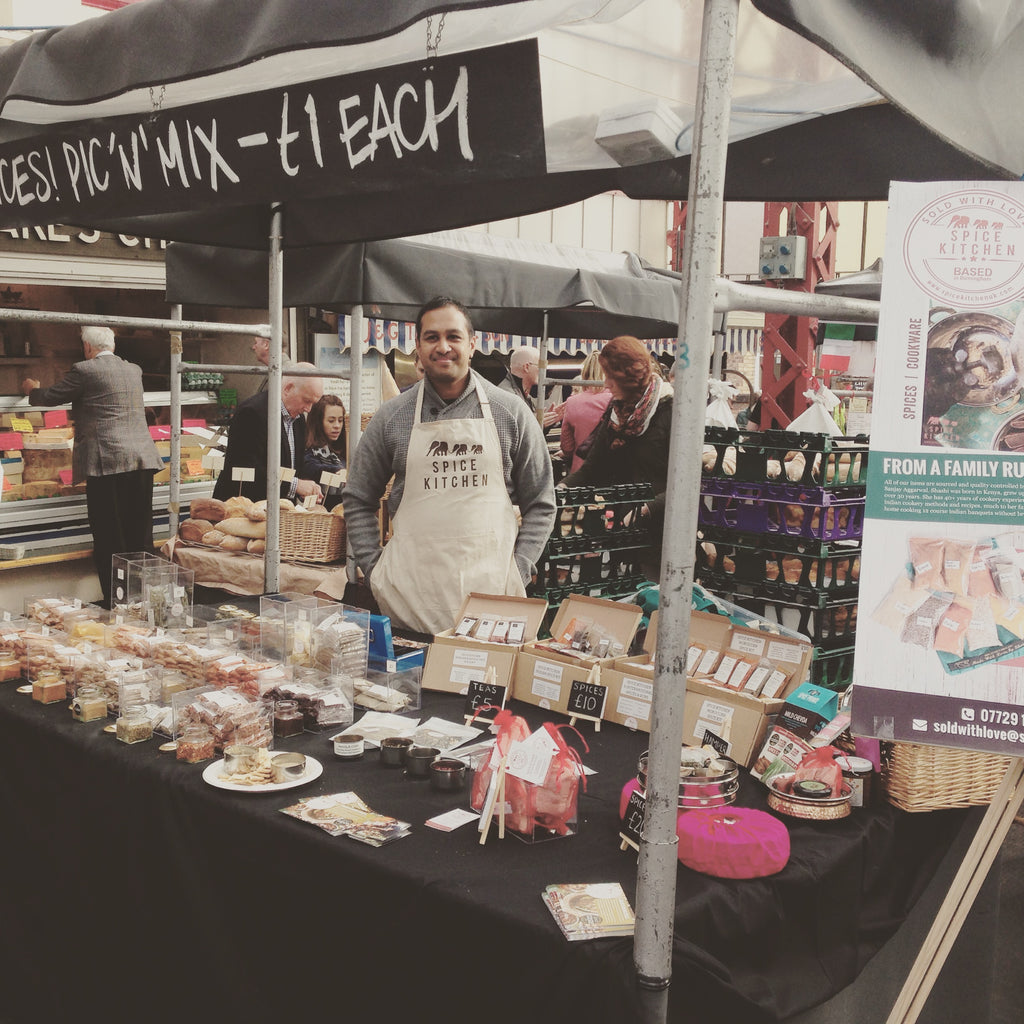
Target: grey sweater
x: 382, y: 452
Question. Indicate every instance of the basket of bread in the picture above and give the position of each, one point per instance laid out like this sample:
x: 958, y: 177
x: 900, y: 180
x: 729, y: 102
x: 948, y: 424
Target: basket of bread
x: 238, y: 524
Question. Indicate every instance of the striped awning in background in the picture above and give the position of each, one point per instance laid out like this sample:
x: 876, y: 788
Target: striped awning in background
x: 386, y: 335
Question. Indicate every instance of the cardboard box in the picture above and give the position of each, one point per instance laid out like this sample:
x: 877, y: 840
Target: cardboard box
x: 454, y: 661
x: 545, y: 678
x: 741, y: 719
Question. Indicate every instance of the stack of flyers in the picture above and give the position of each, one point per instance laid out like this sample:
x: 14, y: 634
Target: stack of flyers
x: 344, y: 814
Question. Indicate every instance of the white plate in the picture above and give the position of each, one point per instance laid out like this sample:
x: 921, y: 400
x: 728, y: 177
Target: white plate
x: 213, y: 774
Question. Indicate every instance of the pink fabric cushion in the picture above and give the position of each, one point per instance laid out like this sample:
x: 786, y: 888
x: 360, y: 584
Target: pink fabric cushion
x: 732, y: 842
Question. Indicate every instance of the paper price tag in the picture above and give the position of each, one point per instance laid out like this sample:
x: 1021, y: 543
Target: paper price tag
x: 287, y: 474
x: 194, y: 467
x: 243, y: 473
x: 22, y: 426
x: 65, y: 477
x: 56, y: 418
x: 333, y: 479
x: 530, y: 759
x: 309, y: 501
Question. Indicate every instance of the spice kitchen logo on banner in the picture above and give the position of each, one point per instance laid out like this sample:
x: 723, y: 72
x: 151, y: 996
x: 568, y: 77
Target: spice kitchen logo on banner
x: 940, y: 629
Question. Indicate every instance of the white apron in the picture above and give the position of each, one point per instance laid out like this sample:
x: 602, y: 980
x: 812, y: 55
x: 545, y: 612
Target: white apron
x: 455, y: 530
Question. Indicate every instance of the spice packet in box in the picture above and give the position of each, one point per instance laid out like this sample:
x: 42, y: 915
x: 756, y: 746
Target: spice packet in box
x: 546, y: 670
x: 461, y: 655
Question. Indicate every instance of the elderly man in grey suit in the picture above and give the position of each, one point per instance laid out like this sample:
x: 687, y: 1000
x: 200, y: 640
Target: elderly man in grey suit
x: 114, y: 453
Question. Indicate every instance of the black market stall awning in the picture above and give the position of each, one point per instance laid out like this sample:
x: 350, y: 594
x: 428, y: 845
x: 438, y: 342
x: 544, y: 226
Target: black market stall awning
x: 524, y: 291
x: 324, y: 107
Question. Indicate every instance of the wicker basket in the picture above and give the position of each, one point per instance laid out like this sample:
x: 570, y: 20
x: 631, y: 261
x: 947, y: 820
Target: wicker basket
x: 923, y: 778
x: 312, y: 536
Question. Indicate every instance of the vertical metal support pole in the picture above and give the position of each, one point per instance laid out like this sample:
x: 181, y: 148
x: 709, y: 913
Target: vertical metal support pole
x: 542, y: 374
x: 272, y: 557
x: 355, y: 405
x: 174, y: 497
x: 656, y: 873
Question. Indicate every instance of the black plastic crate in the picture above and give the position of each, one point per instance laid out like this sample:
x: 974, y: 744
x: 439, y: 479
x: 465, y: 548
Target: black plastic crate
x: 829, y: 624
x: 832, y: 669
x: 785, y: 457
x: 784, y: 573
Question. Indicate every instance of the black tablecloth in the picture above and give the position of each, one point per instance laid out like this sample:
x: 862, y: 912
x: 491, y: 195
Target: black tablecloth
x: 134, y: 890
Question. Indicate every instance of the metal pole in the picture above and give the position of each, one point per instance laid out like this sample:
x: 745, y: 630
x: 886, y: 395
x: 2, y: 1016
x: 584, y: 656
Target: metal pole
x: 272, y: 556
x: 656, y: 873
x: 355, y: 408
x: 174, y: 496
x: 542, y: 374
x: 151, y: 323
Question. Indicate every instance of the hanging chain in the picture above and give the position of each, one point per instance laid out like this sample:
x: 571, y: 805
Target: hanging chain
x: 156, y: 100
x: 433, y: 44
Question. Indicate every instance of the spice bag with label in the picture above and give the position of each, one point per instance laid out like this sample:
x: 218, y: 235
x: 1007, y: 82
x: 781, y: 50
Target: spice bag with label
x: 509, y: 728
x: 552, y: 806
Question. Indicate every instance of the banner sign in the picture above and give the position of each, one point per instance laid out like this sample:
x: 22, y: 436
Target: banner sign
x: 444, y: 120
x: 940, y: 625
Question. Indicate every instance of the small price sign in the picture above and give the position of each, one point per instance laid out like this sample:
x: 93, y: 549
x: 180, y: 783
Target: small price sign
x: 243, y: 473
x: 481, y: 693
x: 632, y: 831
x: 55, y: 418
x: 716, y: 743
x: 587, y: 699
x: 333, y: 479
x: 287, y: 474
x: 194, y: 467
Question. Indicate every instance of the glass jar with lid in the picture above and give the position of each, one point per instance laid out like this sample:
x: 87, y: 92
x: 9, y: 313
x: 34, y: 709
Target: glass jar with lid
x: 195, y: 744
x: 89, y: 704
x: 288, y: 720
x: 49, y: 687
x: 134, y: 725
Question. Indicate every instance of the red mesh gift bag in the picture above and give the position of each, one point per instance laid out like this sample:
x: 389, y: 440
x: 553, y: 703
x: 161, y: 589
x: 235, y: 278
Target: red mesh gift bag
x: 509, y: 727
x: 551, y: 806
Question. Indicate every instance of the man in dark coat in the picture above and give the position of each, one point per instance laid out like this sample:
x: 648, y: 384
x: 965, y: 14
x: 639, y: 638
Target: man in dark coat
x: 247, y: 440
x: 114, y: 453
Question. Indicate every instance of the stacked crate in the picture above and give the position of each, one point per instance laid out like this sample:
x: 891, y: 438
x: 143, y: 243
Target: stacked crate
x: 780, y: 526
x: 597, y: 547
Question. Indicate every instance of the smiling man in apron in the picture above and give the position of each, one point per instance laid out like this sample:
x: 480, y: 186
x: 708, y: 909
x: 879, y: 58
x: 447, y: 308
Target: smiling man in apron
x: 463, y: 454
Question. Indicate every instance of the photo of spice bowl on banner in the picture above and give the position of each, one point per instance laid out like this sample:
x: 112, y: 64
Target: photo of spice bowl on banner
x: 940, y: 643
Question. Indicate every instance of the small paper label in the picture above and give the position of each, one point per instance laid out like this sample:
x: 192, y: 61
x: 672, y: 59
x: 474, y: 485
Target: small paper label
x: 633, y: 709
x: 470, y: 659
x: 22, y: 426
x: 287, y: 474
x: 530, y: 759
x: 465, y: 676
x: 546, y: 690
x: 243, y: 473
x: 549, y: 671
x: 748, y: 644
x: 194, y: 467
x: 780, y: 651
x: 641, y: 689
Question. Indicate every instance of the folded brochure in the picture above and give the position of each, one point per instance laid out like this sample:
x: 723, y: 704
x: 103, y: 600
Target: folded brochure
x: 344, y: 814
x: 589, y: 910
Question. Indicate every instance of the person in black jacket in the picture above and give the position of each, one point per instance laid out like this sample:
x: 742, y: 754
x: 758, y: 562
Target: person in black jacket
x: 247, y: 440
x: 325, y: 444
x: 630, y: 442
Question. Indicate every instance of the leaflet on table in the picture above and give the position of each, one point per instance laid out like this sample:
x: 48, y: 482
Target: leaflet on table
x: 377, y: 725
x: 344, y: 814
x: 940, y: 630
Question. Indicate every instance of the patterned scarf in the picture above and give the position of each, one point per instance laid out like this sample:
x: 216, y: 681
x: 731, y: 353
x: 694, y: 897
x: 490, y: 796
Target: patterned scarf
x: 631, y: 421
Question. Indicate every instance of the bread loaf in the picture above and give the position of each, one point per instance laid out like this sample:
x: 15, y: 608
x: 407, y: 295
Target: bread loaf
x: 242, y: 527
x: 210, y: 509
x: 256, y: 547
x: 230, y: 543
x: 238, y: 506
x: 213, y: 537
x: 193, y: 530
